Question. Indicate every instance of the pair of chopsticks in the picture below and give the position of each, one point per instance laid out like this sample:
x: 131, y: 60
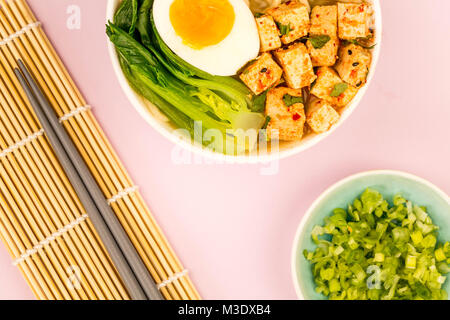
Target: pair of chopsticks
x: 127, y: 261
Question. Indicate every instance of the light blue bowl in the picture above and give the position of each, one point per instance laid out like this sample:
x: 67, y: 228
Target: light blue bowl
x: 388, y: 183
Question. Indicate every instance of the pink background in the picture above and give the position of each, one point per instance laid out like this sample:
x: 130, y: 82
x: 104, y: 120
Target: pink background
x: 232, y: 227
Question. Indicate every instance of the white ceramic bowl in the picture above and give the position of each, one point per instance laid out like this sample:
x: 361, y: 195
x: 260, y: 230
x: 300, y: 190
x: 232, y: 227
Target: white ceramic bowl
x: 151, y: 114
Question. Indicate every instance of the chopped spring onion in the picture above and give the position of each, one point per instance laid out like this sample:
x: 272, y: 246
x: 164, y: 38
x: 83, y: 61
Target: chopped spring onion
x: 377, y: 251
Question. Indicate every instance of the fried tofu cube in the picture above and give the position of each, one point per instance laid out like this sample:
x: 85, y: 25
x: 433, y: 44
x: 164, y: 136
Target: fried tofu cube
x: 323, y: 26
x: 262, y: 74
x: 353, y: 64
x: 297, y: 65
x: 268, y: 33
x: 327, y: 85
x: 324, y: 21
x: 321, y: 116
x: 353, y: 20
x: 292, y: 19
x: 287, y: 115
x: 325, y: 56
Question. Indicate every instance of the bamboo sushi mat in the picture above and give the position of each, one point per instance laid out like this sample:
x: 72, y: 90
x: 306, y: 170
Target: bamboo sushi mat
x: 42, y: 222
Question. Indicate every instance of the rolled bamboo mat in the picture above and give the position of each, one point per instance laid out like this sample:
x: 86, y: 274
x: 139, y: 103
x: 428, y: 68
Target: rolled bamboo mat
x: 42, y: 222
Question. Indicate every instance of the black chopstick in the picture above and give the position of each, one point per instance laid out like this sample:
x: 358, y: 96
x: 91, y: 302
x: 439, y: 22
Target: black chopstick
x: 130, y: 267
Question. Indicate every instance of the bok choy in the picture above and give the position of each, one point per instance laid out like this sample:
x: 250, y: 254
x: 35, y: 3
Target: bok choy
x: 183, y: 93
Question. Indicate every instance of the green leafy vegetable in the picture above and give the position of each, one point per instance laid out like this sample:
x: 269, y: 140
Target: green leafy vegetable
x: 319, y: 42
x: 362, y: 42
x: 266, y: 123
x: 259, y: 102
x: 290, y: 100
x: 182, y: 92
x: 143, y: 22
x: 339, y: 89
x: 179, y: 118
x: 358, y: 43
x: 150, y: 77
x: 222, y: 82
x: 284, y: 28
x: 258, y: 14
x: 126, y: 15
x: 375, y: 251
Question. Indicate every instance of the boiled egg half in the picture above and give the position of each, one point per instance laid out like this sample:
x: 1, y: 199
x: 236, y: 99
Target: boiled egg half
x: 216, y: 36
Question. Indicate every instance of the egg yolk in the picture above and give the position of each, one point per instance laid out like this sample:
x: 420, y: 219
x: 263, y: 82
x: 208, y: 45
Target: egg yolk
x: 202, y: 23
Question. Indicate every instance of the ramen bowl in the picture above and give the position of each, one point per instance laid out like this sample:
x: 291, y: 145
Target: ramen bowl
x: 284, y: 149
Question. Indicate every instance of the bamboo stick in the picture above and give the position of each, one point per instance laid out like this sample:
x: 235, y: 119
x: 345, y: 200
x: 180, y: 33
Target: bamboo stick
x: 29, y: 269
x: 47, y: 204
x: 43, y: 168
x: 103, y: 173
x: 61, y: 262
x: 59, y: 172
x: 35, y: 49
x: 28, y: 276
x: 3, y: 103
x: 27, y: 163
x: 30, y: 231
x: 149, y: 214
x: 47, y: 164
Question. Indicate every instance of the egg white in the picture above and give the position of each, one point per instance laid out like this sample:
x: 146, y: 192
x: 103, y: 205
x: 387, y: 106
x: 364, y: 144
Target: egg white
x: 222, y: 59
